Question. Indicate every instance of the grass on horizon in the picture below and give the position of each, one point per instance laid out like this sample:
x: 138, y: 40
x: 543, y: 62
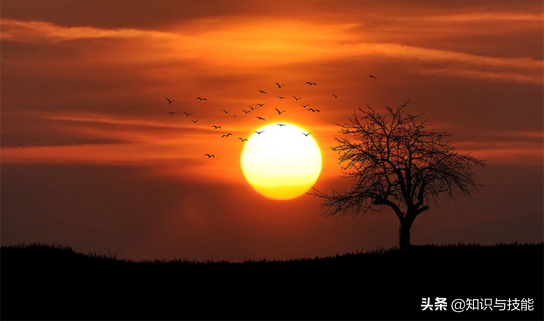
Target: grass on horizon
x: 67, y: 251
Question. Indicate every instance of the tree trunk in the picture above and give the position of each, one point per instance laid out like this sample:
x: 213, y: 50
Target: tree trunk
x: 404, y: 234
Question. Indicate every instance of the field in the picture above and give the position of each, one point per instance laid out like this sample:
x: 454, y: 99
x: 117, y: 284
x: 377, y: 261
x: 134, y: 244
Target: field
x: 41, y: 281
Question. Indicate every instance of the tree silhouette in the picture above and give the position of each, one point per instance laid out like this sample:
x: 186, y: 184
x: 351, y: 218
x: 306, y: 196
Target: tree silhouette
x: 394, y: 161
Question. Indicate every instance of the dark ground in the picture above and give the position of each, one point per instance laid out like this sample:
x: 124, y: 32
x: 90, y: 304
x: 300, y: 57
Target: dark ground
x: 53, y: 282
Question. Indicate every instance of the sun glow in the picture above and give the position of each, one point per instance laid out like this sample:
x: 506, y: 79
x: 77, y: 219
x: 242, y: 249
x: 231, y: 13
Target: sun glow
x: 281, y: 161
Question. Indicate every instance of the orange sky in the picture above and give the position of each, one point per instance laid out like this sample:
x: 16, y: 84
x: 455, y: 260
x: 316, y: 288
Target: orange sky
x: 92, y: 159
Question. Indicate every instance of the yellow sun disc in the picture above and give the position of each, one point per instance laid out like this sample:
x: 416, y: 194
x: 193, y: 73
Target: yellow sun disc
x: 282, y: 162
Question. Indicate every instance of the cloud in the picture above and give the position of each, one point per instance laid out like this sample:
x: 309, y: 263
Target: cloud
x: 39, y: 31
x: 484, y: 17
x: 253, y: 44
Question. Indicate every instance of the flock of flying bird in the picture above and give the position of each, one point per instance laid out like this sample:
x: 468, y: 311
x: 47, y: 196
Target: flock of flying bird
x: 251, y: 109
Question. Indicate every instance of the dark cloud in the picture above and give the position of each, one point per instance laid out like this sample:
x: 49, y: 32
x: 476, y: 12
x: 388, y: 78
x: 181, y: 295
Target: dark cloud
x: 139, y: 14
x: 21, y: 131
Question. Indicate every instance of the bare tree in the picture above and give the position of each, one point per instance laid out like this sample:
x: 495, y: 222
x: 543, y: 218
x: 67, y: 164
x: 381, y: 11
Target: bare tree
x: 395, y: 161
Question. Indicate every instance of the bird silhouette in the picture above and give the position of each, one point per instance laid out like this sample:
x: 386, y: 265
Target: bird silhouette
x: 226, y: 111
x: 194, y: 121
x: 304, y: 105
x: 242, y: 139
x: 282, y: 125
x: 280, y: 97
x: 209, y: 155
x: 216, y: 127
x: 261, y: 118
x: 246, y: 111
x: 252, y: 108
x: 297, y: 98
x: 170, y: 101
x: 335, y: 96
x: 260, y: 105
x: 201, y: 99
x: 279, y: 86
x: 187, y: 114
x: 171, y: 112
x: 313, y: 110
x: 279, y: 112
x: 372, y: 76
x: 311, y: 83
x: 306, y: 134
x: 262, y: 92
x: 227, y: 135
x: 259, y: 132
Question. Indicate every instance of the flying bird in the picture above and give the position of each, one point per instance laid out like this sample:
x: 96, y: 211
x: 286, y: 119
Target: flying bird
x: 227, y: 135
x: 242, y: 139
x: 280, y: 97
x: 279, y: 112
x: 201, y: 99
x: 194, y: 121
x: 226, y: 111
x: 209, y: 155
x: 260, y: 105
x: 171, y: 112
x: 297, y: 98
x: 262, y: 92
x: 261, y: 118
x: 279, y: 86
x: 252, y: 108
x: 259, y: 132
x: 304, y: 105
x: 282, y: 125
x: 306, y: 134
x: 313, y: 110
x: 335, y: 96
x: 216, y: 127
x: 187, y: 114
x: 311, y: 83
x: 170, y: 101
x: 372, y: 76
x: 246, y: 111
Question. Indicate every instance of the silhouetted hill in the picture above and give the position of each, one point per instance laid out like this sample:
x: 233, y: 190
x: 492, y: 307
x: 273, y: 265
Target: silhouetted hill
x: 54, y: 282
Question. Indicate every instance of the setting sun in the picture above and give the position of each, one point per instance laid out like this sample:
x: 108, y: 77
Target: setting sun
x: 281, y: 161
